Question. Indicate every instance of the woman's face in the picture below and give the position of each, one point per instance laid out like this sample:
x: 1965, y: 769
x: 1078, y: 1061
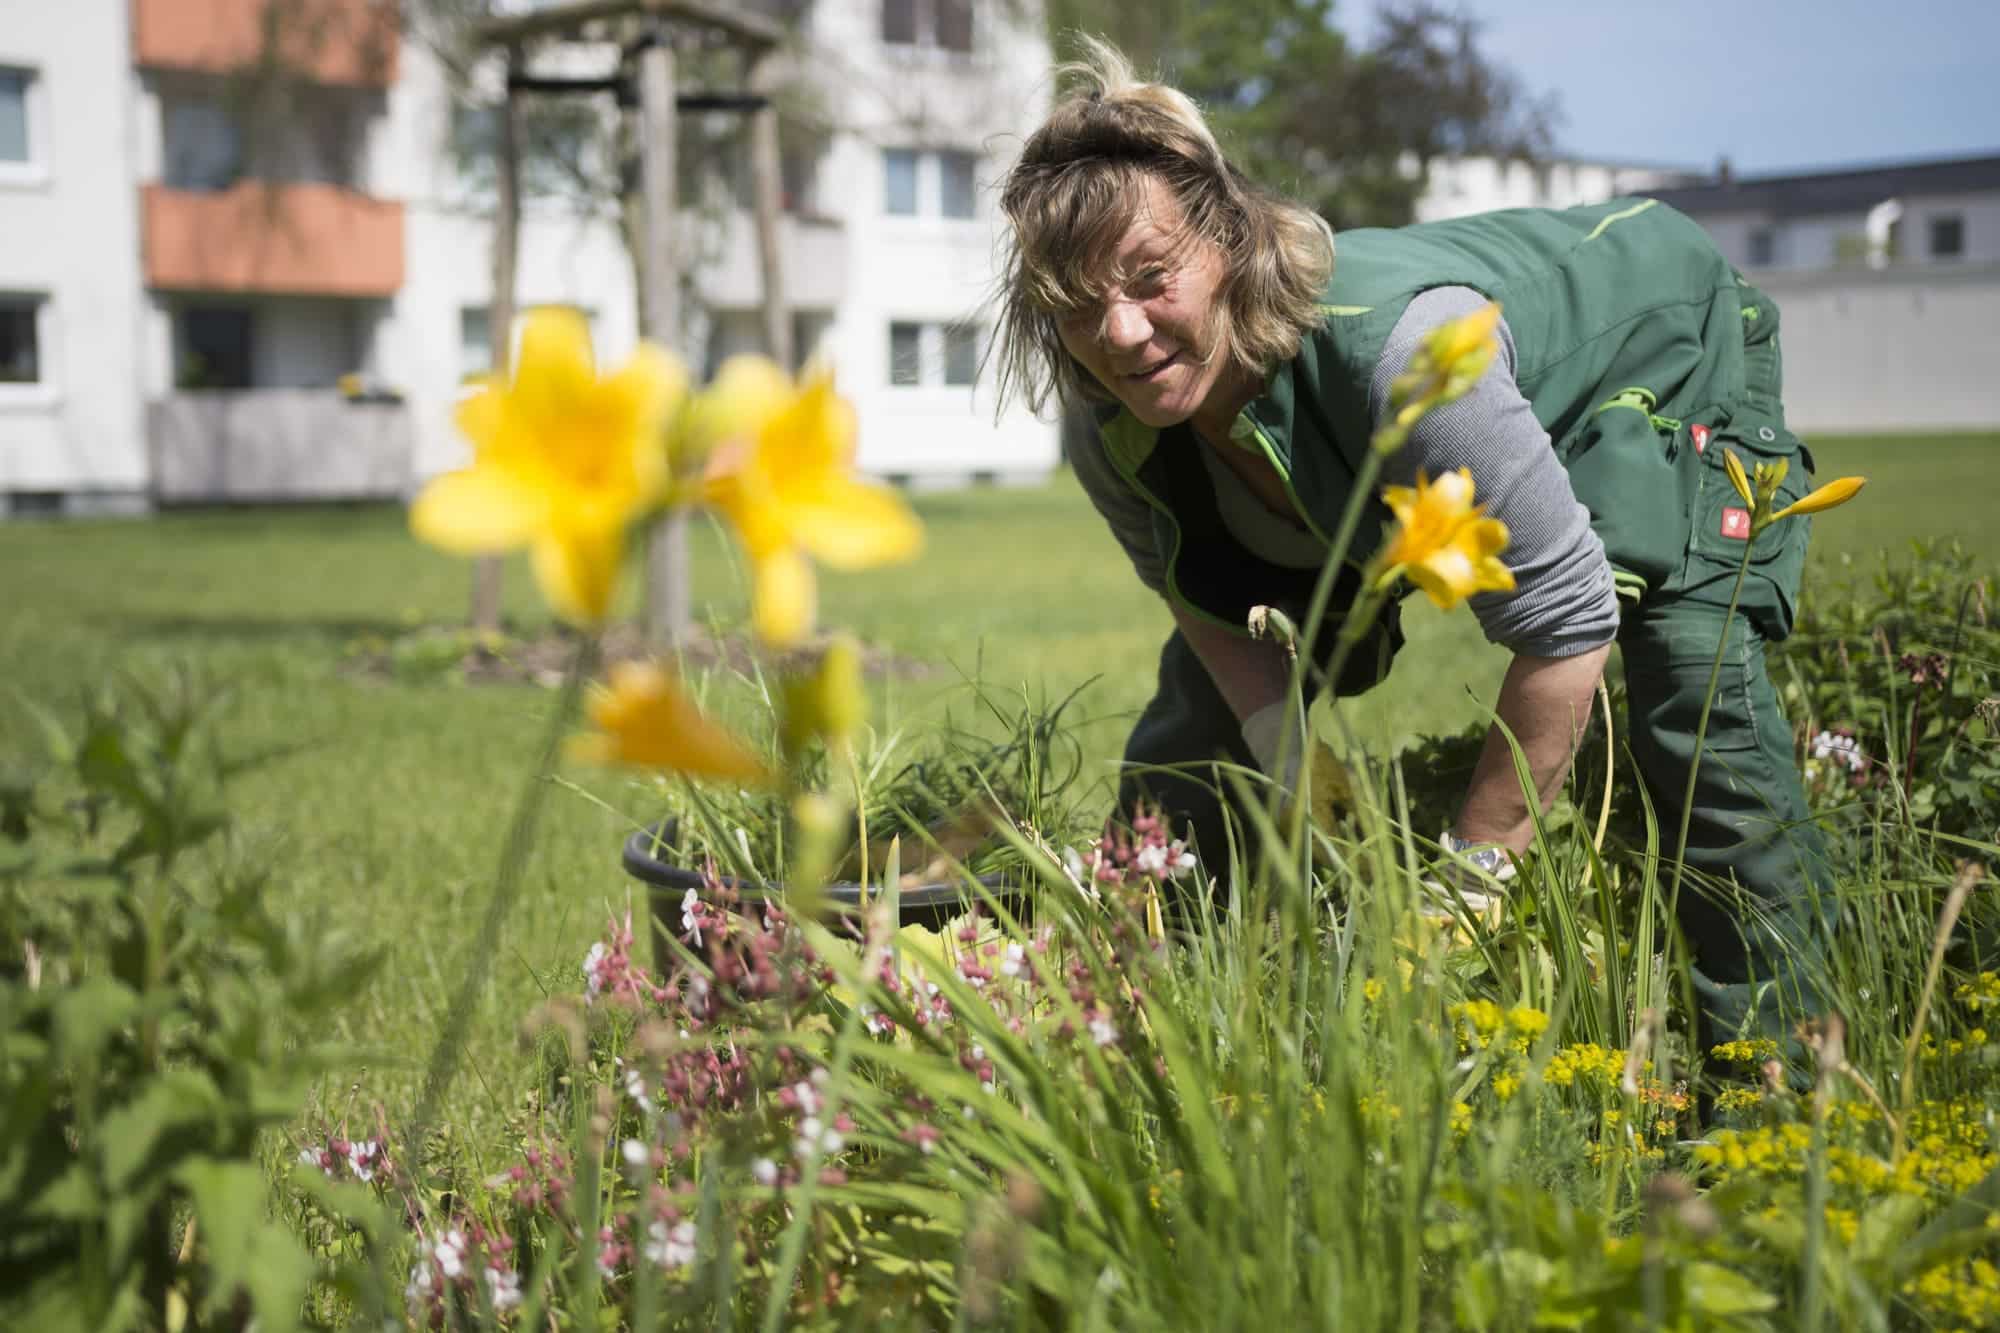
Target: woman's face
x: 1145, y: 339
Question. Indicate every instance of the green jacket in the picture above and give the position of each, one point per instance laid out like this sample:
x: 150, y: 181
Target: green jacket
x: 1629, y: 331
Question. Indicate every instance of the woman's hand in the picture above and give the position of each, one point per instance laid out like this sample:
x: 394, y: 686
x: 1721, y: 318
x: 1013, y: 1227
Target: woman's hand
x: 1545, y: 702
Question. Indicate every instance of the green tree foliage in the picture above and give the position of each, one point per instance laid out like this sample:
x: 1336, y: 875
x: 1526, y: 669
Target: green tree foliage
x: 1301, y: 109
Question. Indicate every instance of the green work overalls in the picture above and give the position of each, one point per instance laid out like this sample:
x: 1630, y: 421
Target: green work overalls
x: 1644, y: 356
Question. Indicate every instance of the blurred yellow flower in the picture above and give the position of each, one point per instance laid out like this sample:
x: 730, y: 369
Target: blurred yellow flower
x: 1449, y: 360
x: 1442, y: 542
x: 827, y: 704
x: 563, y: 461
x: 645, y: 720
x: 780, y: 470
x: 1836, y: 492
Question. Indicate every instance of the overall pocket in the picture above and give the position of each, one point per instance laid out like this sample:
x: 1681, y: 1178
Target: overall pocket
x: 1624, y: 466
x: 1721, y: 518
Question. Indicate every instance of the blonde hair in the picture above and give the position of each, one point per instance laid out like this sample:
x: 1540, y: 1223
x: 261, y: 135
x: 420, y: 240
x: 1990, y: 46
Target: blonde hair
x: 1079, y: 184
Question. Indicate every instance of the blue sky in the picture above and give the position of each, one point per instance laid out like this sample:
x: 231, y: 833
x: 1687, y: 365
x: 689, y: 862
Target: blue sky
x: 1772, y: 84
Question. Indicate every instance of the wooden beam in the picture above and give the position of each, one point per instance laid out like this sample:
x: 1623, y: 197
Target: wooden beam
x: 486, y: 572
x: 567, y: 20
x: 768, y: 183
x: 668, y: 612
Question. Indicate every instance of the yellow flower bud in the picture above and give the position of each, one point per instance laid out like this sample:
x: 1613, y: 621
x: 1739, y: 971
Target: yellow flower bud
x: 1836, y: 492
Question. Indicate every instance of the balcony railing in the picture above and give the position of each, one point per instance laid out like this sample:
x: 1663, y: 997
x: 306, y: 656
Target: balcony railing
x: 300, y: 240
x: 350, y: 42
x: 255, y: 445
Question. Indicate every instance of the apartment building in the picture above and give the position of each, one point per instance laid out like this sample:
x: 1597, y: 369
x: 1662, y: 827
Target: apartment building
x: 196, y: 306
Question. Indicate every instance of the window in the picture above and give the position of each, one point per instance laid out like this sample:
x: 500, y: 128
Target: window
x: 930, y: 355
x: 944, y: 24
x: 203, y: 146
x: 961, y: 353
x: 475, y: 342
x: 953, y: 20
x: 905, y: 354
x: 899, y: 22
x: 1948, y: 236
x: 899, y: 174
x: 215, y: 348
x: 20, y: 340
x: 957, y: 195
x: 1763, y: 248
x: 16, y: 146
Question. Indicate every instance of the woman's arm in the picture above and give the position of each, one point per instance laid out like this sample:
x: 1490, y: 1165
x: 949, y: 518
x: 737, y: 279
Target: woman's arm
x: 1545, y: 702
x: 1251, y: 674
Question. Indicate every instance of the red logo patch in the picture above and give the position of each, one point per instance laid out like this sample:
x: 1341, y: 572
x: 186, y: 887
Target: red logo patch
x: 1736, y: 523
x: 1700, y: 434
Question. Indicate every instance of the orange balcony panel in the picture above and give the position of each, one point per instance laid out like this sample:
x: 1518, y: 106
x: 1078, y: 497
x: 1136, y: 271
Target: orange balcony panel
x: 298, y: 240
x: 353, y: 42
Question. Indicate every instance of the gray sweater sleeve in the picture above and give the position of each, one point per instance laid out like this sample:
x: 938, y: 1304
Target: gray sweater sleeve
x: 1130, y: 518
x: 1564, y: 601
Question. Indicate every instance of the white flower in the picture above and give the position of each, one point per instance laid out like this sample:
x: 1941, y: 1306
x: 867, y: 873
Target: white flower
x: 593, y: 979
x: 817, y: 1140
x: 1845, y: 749
x: 361, y: 1159
x: 1152, y: 859
x: 635, y: 1087
x: 450, y: 1254
x: 636, y: 1153
x: 503, y: 1287
x: 670, y: 1249
x: 1015, y: 961
x: 1103, y: 1031
x: 877, y: 1022
x: 691, y: 915
x: 764, y: 1171
x: 808, y: 1097
x: 1179, y: 863
x: 417, y: 1294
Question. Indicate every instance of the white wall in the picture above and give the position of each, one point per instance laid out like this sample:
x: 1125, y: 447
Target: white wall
x: 69, y: 230
x: 1457, y: 187
x: 1891, y: 350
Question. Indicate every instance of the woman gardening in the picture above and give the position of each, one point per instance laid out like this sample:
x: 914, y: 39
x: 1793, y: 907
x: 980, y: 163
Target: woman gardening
x: 1235, y: 359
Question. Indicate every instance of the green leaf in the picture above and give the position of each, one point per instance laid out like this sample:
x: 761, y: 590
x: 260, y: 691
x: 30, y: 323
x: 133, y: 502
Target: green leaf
x: 244, y: 1251
x: 1886, y: 1225
x: 1722, y: 1293
x: 176, y: 1113
x: 93, y: 1011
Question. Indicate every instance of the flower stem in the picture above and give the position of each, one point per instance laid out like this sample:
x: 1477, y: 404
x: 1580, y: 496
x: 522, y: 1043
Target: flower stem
x: 514, y: 854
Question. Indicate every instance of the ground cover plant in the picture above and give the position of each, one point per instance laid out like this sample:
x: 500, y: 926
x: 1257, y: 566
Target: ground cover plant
x: 1338, y: 1101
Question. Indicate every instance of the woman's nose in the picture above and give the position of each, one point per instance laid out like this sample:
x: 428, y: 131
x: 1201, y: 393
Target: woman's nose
x: 1126, y: 326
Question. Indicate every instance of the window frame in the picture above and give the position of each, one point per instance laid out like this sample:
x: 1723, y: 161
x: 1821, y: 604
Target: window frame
x: 1764, y: 239
x: 34, y: 169
x: 971, y: 160
x: 46, y: 388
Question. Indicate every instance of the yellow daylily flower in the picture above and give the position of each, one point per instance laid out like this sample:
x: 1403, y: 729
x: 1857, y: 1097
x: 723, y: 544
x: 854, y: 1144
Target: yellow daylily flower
x: 780, y: 470
x: 829, y: 702
x: 1836, y: 492
x: 645, y: 720
x: 1442, y: 542
x: 1737, y: 476
x: 1449, y: 359
x: 564, y: 459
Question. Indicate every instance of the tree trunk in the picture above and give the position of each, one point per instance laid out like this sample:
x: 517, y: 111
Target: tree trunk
x: 767, y: 178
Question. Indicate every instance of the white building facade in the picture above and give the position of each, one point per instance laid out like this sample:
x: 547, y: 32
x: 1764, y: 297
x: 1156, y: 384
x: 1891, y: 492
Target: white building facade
x: 182, y: 296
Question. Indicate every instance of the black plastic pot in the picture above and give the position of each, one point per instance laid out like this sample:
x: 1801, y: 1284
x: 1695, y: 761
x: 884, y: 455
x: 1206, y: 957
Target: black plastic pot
x: 648, y: 854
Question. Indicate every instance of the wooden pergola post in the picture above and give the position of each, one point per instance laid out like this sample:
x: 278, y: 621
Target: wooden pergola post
x: 767, y: 177
x: 667, y: 614
x: 487, y: 571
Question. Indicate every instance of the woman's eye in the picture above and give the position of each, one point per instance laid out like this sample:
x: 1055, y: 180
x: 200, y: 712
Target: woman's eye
x: 1150, y: 279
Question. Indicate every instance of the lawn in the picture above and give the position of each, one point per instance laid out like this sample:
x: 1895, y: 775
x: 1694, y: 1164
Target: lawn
x: 1344, y: 1104
x: 385, y: 799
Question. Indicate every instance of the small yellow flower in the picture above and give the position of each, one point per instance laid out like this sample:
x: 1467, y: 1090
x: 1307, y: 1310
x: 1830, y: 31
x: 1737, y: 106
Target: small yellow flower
x: 1836, y: 492
x: 1737, y: 477
x: 1442, y: 541
x: 1450, y: 359
x: 827, y: 704
x: 780, y: 470
x: 563, y: 461
x: 645, y: 720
